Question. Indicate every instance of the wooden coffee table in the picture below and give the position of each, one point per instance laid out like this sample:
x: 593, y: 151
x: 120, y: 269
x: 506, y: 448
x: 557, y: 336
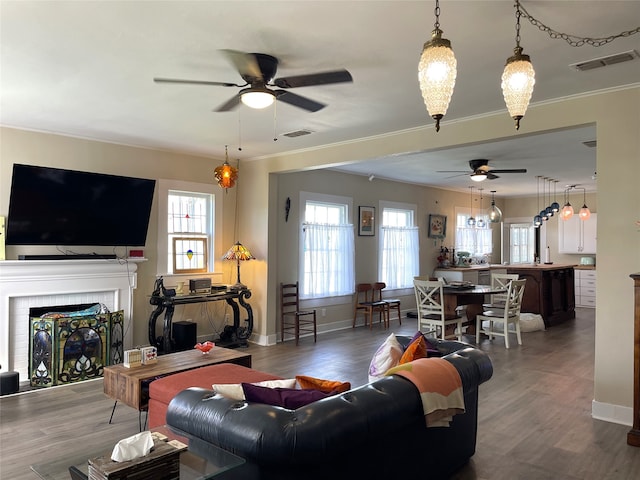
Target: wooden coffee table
x: 130, y: 385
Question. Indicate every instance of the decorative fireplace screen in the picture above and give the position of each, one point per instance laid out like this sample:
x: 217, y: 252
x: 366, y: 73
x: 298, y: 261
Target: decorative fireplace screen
x: 73, y: 346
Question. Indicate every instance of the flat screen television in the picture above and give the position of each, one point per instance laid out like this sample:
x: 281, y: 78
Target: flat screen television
x: 53, y: 206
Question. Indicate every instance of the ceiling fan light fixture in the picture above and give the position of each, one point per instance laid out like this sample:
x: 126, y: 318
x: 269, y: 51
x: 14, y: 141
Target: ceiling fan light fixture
x: 478, y: 176
x: 437, y: 72
x: 257, y: 98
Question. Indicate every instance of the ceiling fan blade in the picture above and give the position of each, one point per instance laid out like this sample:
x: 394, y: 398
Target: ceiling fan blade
x: 491, y: 176
x: 194, y: 82
x: 246, y: 64
x: 451, y: 171
x: 299, y: 101
x: 512, y: 170
x: 322, y: 78
x: 230, y: 104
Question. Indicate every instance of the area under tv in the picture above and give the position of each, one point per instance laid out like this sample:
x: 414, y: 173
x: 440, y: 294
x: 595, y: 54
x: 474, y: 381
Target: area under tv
x: 75, y: 256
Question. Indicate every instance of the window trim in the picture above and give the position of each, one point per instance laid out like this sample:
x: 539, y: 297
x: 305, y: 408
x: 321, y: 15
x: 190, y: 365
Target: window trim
x: 215, y: 250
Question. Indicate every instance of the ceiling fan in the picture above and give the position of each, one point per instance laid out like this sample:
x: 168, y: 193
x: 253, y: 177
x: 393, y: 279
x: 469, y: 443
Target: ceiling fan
x: 482, y: 171
x: 258, y: 71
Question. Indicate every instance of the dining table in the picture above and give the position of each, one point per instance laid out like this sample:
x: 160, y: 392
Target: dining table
x: 472, y: 297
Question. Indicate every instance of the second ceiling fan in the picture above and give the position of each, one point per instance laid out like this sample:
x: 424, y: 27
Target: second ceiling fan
x: 258, y: 71
x: 480, y: 170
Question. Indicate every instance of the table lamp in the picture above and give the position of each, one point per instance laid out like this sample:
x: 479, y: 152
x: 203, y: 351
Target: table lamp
x: 238, y: 252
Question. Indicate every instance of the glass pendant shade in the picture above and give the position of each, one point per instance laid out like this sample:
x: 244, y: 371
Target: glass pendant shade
x: 555, y: 207
x: 257, y: 98
x: 518, y: 80
x: 495, y: 214
x: 543, y: 215
x: 471, y: 222
x: 480, y: 223
x: 548, y: 211
x: 226, y: 175
x: 437, y: 75
x: 537, y: 221
x: 585, y: 213
x: 567, y: 212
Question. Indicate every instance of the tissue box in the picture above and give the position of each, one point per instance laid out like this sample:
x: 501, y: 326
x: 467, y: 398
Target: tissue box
x: 162, y: 463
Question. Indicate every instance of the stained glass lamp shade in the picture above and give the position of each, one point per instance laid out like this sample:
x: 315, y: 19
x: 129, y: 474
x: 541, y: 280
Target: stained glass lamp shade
x: 238, y: 252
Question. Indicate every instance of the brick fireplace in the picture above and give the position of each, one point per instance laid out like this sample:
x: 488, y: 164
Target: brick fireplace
x: 26, y: 284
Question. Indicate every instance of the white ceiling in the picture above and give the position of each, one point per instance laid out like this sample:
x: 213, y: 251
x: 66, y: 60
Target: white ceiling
x: 85, y: 68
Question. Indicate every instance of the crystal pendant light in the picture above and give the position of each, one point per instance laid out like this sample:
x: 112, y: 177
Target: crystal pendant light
x: 495, y: 214
x: 518, y: 78
x: 437, y: 72
x: 471, y: 221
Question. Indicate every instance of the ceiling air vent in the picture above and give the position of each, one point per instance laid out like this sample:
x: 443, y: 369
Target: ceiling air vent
x: 590, y: 143
x: 605, y: 61
x: 297, y: 133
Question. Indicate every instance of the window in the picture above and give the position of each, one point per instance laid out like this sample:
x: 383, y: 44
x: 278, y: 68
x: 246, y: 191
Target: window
x: 399, y: 245
x: 476, y: 241
x: 521, y: 243
x: 188, y: 227
x: 327, y: 261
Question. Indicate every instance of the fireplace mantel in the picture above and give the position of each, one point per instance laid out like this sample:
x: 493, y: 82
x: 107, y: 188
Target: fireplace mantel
x: 59, y: 282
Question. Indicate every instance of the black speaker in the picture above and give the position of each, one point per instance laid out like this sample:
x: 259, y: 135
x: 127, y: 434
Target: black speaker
x: 185, y: 335
x: 9, y: 383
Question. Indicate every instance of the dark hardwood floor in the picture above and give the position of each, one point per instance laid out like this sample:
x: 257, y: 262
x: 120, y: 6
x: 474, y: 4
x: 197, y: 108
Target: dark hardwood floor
x: 534, y: 420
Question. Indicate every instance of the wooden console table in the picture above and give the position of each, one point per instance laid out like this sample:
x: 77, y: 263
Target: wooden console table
x: 238, y: 334
x: 633, y: 437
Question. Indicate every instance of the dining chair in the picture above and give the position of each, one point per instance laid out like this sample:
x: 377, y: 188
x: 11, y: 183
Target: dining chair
x: 391, y: 302
x: 431, y: 314
x: 291, y: 317
x: 364, y: 301
x: 510, y: 313
x: 500, y: 280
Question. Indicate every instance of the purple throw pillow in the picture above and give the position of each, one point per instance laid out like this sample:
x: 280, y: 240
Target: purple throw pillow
x: 290, y: 398
x: 432, y: 348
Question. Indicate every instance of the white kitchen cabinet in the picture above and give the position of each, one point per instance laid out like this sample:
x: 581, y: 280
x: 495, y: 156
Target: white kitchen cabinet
x: 577, y: 236
x: 585, y: 288
x: 458, y: 275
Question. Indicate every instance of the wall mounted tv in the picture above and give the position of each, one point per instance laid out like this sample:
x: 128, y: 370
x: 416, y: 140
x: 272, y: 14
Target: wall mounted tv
x: 52, y: 206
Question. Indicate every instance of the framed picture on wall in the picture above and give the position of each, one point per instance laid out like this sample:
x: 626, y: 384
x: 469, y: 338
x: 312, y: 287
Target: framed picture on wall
x: 437, y: 226
x: 367, y: 221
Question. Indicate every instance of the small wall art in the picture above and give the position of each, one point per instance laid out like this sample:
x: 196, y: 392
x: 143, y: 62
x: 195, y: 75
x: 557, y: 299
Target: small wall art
x: 367, y: 221
x: 437, y: 226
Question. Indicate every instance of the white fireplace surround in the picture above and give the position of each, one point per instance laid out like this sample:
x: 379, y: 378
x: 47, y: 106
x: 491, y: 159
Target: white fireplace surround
x: 39, y: 283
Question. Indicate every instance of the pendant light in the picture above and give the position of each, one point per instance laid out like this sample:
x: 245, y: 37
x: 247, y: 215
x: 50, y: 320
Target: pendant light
x: 549, y: 211
x: 537, y: 220
x: 437, y: 72
x: 585, y: 213
x: 481, y: 223
x: 495, y: 214
x: 555, y: 206
x: 471, y: 221
x: 518, y: 78
x: 567, y: 210
x: 225, y: 174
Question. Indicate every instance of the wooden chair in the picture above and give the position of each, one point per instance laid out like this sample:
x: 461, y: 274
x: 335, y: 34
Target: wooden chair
x: 430, y: 303
x: 392, y: 302
x: 364, y: 301
x: 291, y: 317
x: 510, y: 313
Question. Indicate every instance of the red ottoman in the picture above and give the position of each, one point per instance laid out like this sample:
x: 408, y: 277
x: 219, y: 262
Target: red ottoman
x: 161, y: 391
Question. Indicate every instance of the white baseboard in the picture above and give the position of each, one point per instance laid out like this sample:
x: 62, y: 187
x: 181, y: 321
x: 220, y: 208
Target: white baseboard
x: 612, y: 413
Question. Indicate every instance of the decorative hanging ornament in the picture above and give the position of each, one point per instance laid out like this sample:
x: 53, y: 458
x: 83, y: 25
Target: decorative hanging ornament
x: 225, y: 174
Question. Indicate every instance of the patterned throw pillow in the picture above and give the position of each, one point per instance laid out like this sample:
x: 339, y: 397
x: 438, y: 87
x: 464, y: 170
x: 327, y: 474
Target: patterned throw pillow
x: 326, y: 386
x: 387, y: 356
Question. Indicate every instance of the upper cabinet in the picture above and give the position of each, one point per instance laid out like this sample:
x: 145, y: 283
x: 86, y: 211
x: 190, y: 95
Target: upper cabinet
x: 577, y: 236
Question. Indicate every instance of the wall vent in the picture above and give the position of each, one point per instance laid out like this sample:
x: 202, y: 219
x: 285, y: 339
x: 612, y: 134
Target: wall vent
x: 590, y: 143
x: 605, y: 61
x: 298, y: 133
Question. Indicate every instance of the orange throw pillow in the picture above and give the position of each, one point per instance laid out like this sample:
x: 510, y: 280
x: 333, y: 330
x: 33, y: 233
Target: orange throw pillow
x: 325, y: 386
x: 416, y: 349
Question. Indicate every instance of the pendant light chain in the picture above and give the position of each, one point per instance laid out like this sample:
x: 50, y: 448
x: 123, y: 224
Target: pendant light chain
x: 436, y: 11
x: 573, y: 40
x: 518, y: 15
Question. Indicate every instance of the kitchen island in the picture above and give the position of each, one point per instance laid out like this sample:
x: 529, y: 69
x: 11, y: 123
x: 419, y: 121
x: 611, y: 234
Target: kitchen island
x: 549, y: 291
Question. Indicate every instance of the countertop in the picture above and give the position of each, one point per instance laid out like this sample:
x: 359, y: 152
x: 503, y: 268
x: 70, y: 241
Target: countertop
x: 585, y: 267
x: 519, y: 266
